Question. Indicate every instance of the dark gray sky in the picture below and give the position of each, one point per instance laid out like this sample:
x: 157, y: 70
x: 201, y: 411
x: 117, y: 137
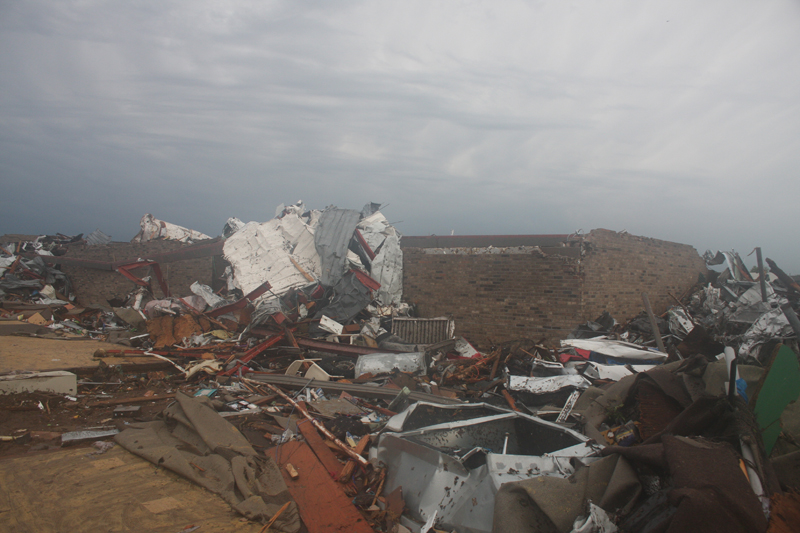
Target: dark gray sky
x: 672, y: 119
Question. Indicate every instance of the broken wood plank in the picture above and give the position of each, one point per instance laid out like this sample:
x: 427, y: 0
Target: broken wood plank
x: 318, y: 425
x: 347, y: 471
x: 323, y: 453
x: 138, y: 399
x: 323, y: 506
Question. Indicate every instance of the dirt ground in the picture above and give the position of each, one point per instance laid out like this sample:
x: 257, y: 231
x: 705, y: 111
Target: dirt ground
x: 47, y: 487
x: 32, y: 353
x: 46, y: 416
x: 70, y: 490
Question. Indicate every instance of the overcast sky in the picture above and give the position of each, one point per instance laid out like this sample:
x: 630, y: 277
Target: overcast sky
x: 670, y: 119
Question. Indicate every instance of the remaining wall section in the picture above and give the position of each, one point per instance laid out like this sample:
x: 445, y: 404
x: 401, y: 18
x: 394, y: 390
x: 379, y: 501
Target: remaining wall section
x: 619, y: 267
x: 98, y: 286
x: 508, y: 293
x: 495, y: 297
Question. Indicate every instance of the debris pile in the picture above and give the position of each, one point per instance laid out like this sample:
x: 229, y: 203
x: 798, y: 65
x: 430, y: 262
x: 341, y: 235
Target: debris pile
x: 306, y: 394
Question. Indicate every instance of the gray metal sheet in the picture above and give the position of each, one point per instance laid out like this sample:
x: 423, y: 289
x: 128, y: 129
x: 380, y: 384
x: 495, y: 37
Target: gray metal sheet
x: 366, y: 391
x: 97, y: 237
x: 332, y: 239
x: 448, y: 470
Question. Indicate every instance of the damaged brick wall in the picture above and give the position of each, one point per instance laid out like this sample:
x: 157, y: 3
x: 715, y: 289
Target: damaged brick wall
x: 98, y: 286
x: 495, y: 296
x: 619, y: 267
x: 502, y: 296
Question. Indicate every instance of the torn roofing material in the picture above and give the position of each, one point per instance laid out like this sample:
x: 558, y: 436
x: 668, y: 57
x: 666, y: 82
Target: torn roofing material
x: 154, y: 229
x: 615, y: 349
x: 97, y: 237
x: 387, y: 269
x: 194, y: 441
x: 332, y: 240
x: 280, y: 250
x: 382, y: 246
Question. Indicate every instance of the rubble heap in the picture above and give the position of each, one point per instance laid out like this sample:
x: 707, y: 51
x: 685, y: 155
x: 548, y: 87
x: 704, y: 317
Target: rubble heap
x: 300, y: 393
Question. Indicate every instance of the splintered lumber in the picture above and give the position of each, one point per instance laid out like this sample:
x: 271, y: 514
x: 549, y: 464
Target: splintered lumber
x: 511, y: 403
x: 363, y: 462
x: 272, y: 520
x: 347, y: 471
x: 323, y: 506
x: 321, y: 450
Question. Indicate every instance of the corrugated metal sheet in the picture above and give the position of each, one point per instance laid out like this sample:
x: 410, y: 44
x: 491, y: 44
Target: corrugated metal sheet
x: 424, y: 330
x: 332, y: 239
x: 97, y: 237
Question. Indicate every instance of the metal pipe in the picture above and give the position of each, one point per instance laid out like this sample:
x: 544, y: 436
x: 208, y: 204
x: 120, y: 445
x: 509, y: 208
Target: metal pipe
x: 762, y: 280
x: 791, y: 316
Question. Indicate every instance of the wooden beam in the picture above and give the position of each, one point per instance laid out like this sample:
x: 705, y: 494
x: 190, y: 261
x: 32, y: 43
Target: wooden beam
x: 321, y: 450
x: 323, y: 506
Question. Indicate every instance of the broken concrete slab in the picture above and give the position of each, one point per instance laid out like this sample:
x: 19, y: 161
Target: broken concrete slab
x: 56, y: 381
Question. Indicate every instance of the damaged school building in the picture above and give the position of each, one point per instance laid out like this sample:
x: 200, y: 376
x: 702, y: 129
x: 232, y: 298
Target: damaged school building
x: 321, y: 372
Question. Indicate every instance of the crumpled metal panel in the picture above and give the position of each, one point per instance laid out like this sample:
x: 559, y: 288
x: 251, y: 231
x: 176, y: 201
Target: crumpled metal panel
x: 771, y: 325
x: 97, y: 237
x: 379, y: 363
x: 154, y: 229
x: 422, y: 414
x: 544, y: 385
x: 387, y: 269
x: 272, y: 252
x: 614, y: 348
x: 387, y: 265
x: 350, y: 297
x: 332, y: 239
x: 612, y: 372
x: 453, y: 470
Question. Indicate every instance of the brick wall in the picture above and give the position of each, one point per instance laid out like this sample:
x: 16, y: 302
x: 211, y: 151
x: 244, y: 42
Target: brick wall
x: 619, y: 267
x: 98, y: 286
x: 503, y: 296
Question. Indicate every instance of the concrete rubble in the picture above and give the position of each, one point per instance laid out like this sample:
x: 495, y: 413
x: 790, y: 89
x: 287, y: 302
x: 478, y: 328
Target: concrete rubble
x: 303, y: 391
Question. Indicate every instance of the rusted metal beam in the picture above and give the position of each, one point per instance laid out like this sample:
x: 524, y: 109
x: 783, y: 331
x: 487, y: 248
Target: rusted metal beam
x: 240, y: 304
x: 125, y: 269
x: 253, y: 352
x: 349, y: 350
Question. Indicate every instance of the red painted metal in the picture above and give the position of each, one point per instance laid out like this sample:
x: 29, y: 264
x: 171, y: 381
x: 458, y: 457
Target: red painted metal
x: 253, y: 352
x: 240, y: 304
x: 126, y: 268
x: 363, y: 242
x: 368, y: 282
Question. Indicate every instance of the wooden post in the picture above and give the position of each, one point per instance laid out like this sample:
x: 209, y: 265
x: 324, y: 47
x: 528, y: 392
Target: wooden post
x: 761, y: 278
x: 653, y: 324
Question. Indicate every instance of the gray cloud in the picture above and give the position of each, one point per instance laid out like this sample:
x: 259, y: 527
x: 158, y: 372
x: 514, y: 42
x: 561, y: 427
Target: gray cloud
x: 668, y: 119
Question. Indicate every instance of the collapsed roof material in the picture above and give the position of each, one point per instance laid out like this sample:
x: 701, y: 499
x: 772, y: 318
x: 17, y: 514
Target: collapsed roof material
x: 280, y: 251
x: 155, y: 229
x: 196, y: 442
